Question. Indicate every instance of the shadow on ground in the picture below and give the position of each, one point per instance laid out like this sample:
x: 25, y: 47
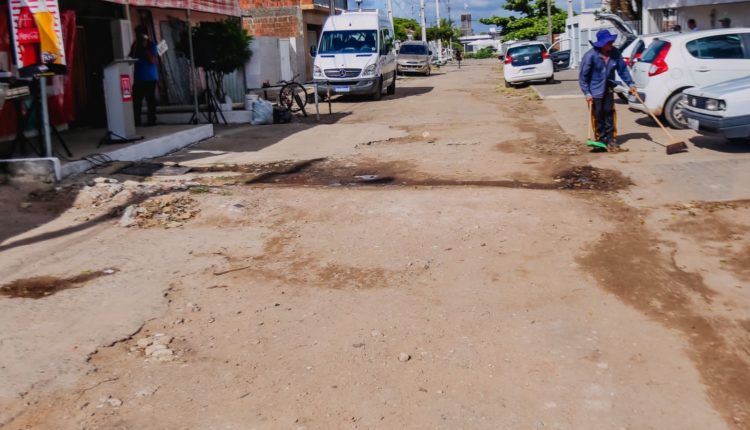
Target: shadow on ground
x: 721, y: 145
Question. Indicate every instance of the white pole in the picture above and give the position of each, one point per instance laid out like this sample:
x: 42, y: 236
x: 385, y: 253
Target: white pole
x: 192, y: 65
x: 440, y: 40
x: 389, y: 5
x: 45, y: 117
x: 424, y: 22
x: 549, y: 20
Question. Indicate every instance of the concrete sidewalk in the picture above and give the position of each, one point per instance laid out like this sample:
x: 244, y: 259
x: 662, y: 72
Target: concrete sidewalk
x: 565, y: 86
x: 712, y: 170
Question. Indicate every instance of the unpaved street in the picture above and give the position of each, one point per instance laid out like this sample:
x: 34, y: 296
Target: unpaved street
x: 444, y: 258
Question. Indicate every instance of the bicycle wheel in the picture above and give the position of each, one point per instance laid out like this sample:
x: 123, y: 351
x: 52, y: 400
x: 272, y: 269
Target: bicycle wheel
x: 293, y: 96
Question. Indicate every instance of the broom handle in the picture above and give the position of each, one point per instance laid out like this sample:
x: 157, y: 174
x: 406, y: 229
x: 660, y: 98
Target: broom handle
x: 648, y: 111
x: 590, y: 107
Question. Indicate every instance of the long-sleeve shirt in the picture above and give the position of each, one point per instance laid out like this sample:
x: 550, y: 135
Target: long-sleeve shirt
x: 596, y: 76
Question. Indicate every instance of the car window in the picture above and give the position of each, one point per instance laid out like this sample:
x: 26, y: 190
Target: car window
x: 639, y: 47
x: 337, y: 42
x: 725, y: 46
x: 413, y: 49
x: 525, y: 50
x: 653, y: 50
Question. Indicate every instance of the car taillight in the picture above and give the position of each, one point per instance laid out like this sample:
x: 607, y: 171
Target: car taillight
x: 626, y: 60
x: 545, y: 55
x: 508, y: 59
x: 659, y: 66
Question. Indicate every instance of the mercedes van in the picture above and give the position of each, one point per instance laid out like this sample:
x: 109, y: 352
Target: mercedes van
x: 355, y: 55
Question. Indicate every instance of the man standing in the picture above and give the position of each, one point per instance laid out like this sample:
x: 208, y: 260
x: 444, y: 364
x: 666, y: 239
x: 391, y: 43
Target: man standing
x: 692, y: 25
x: 146, y: 75
x: 597, y: 81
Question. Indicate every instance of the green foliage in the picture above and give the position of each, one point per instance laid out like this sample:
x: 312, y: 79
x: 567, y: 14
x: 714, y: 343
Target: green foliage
x: 485, y: 52
x: 400, y: 25
x: 443, y: 32
x: 533, y: 20
x: 221, y: 47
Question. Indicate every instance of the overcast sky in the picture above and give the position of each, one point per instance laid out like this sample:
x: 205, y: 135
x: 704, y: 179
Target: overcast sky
x: 477, y: 9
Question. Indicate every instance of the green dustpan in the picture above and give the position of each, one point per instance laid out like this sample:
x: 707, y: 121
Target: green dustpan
x: 596, y: 144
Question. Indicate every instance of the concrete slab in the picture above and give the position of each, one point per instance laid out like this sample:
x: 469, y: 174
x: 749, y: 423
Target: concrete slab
x: 565, y: 86
x: 166, y: 141
x: 29, y: 170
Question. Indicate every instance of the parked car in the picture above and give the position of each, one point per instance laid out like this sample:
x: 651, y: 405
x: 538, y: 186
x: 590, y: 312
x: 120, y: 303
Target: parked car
x: 414, y: 57
x: 355, y: 54
x: 721, y: 109
x: 675, y: 63
x: 527, y: 61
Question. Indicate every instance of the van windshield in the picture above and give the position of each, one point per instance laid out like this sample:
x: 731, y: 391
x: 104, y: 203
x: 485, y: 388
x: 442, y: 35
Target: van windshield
x: 413, y: 50
x: 349, y: 41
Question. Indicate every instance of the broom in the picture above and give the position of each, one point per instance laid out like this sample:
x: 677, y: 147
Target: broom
x: 590, y: 141
x: 676, y: 146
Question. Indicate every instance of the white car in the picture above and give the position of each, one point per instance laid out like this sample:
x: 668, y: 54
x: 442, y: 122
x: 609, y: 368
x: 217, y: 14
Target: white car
x: 527, y: 61
x: 721, y: 109
x: 675, y: 63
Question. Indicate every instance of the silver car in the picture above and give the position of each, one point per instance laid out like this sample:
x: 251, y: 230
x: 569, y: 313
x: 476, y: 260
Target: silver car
x: 414, y: 57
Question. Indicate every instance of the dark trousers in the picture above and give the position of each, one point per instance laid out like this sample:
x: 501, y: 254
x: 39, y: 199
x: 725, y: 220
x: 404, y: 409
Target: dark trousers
x: 604, y: 118
x: 145, y: 89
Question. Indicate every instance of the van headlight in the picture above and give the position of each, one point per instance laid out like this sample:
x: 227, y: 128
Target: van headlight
x: 370, y: 70
x: 317, y: 72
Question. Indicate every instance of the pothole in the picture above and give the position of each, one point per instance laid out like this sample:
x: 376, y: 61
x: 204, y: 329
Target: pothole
x: 44, y: 286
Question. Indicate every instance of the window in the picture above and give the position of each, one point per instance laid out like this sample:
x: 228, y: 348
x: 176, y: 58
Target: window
x: 726, y: 46
x: 349, y: 41
x: 525, y: 50
x: 653, y: 50
x: 413, y: 49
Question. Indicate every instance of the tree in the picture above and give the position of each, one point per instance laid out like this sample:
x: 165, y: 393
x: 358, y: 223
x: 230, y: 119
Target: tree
x: 531, y: 23
x: 443, y: 32
x: 401, y: 25
x: 221, y: 47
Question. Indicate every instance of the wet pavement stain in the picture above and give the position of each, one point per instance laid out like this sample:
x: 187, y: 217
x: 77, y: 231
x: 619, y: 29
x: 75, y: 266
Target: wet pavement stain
x: 44, y: 286
x: 340, y: 173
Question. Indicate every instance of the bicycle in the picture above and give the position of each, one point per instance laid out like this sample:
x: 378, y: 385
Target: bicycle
x: 292, y: 93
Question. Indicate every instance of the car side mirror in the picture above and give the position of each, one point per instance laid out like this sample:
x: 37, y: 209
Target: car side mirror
x: 313, y: 51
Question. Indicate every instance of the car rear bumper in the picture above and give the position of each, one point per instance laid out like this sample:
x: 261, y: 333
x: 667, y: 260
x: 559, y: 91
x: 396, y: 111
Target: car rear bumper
x: 729, y: 127
x: 529, y: 77
x: 348, y: 86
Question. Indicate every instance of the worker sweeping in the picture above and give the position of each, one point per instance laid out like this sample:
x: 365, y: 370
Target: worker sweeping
x: 597, y: 81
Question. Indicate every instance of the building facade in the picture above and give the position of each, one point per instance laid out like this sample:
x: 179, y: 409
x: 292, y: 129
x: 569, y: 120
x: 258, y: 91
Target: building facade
x: 662, y: 15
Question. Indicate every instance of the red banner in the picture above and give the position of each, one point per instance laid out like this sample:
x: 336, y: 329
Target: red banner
x: 125, y: 88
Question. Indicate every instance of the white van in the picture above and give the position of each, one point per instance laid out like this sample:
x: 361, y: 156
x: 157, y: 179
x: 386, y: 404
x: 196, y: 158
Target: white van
x: 355, y: 54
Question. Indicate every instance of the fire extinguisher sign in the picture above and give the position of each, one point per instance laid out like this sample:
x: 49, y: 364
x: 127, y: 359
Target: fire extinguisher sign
x: 125, y: 88
x: 37, y: 33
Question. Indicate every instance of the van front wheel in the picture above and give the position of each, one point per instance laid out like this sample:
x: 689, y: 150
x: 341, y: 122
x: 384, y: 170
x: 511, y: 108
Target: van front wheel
x: 378, y: 94
x: 391, y: 90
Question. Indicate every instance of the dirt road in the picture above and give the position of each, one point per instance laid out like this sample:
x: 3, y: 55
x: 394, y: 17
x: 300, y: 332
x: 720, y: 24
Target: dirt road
x: 445, y: 258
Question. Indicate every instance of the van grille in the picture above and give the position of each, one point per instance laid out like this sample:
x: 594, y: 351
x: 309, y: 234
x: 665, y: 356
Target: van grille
x: 347, y: 73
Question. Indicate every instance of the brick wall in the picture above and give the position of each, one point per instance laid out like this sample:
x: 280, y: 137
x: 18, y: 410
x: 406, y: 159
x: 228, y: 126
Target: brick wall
x: 272, y: 18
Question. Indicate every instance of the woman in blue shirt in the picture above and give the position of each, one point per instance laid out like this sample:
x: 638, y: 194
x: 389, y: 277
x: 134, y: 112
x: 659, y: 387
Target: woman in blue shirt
x: 146, y: 75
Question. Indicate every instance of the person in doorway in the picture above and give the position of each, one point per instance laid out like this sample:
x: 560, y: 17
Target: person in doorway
x: 146, y: 75
x: 677, y: 28
x: 725, y: 22
x: 597, y: 81
x: 459, y: 57
x: 692, y: 25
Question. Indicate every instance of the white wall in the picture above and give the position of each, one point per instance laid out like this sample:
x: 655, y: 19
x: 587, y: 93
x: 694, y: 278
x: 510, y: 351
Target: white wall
x: 266, y: 63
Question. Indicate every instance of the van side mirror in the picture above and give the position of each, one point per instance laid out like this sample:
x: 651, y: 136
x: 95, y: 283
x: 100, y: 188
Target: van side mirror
x: 313, y: 51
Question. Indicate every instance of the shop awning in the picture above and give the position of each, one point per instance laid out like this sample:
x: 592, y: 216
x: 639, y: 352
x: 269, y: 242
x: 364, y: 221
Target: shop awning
x: 222, y: 7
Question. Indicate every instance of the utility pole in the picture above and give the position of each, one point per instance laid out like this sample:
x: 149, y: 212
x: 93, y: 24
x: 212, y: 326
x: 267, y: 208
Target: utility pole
x: 440, y: 39
x: 549, y: 20
x: 331, y: 7
x: 424, y: 21
x: 389, y: 5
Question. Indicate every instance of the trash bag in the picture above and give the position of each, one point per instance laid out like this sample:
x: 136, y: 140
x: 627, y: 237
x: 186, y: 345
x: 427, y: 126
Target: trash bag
x: 262, y: 112
x: 281, y: 115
